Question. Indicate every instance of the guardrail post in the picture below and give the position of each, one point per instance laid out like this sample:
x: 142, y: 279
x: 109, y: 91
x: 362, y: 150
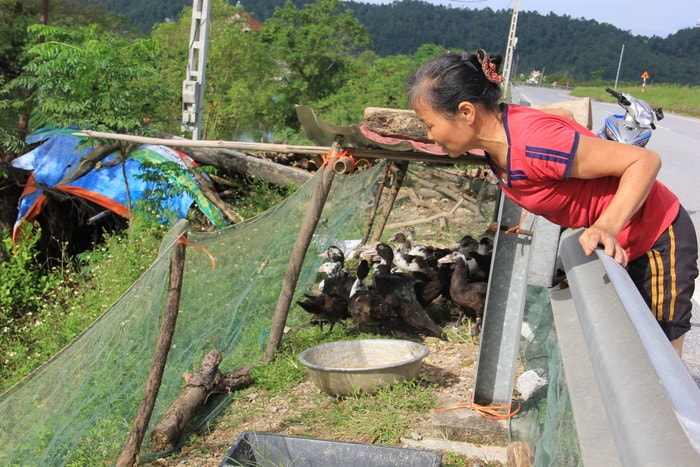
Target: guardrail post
x: 517, y: 261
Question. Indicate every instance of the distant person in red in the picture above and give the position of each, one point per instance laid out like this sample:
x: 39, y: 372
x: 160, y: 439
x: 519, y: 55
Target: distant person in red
x: 552, y: 166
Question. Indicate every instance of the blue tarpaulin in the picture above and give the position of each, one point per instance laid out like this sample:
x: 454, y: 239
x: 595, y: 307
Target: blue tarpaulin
x: 60, y: 153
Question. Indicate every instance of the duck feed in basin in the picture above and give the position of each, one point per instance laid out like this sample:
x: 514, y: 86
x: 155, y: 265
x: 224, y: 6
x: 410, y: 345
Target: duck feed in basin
x: 345, y: 367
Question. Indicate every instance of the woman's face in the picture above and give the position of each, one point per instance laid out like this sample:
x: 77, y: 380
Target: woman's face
x: 453, y: 134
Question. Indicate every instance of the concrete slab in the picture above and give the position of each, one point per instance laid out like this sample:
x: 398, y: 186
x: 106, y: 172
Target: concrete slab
x: 487, y: 453
x: 464, y: 424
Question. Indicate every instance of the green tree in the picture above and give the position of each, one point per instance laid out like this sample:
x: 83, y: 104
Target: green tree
x: 172, y: 67
x: 240, y: 73
x: 16, y: 17
x: 91, y: 78
x: 313, y: 47
x: 8, y: 140
x: 373, y: 81
x: 254, y: 79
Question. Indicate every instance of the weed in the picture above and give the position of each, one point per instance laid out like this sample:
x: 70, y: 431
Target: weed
x: 285, y: 370
x: 382, y: 418
x: 256, y: 196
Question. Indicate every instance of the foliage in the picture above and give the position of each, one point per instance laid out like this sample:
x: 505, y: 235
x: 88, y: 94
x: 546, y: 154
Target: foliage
x: 161, y: 176
x: 573, y: 46
x: 255, y: 196
x: 255, y: 79
x: 9, y: 141
x: 91, y: 78
x: 16, y: 17
x: 23, y: 282
x: 372, y: 82
x: 26, y: 292
x: 242, y: 82
x: 42, y: 310
x: 144, y: 14
x: 314, y: 46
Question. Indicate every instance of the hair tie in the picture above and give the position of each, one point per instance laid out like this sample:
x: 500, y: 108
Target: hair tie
x: 469, y: 63
x: 488, y: 67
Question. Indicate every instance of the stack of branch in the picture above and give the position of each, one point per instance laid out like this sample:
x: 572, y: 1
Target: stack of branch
x: 206, y: 381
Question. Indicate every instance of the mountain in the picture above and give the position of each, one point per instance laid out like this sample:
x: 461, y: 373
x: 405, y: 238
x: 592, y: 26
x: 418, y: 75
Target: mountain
x: 146, y: 13
x: 578, y: 48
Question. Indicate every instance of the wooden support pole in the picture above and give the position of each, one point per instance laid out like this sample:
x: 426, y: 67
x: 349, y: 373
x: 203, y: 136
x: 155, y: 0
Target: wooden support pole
x: 402, y: 167
x: 375, y: 206
x: 371, y: 153
x: 130, y: 453
x: 296, y: 261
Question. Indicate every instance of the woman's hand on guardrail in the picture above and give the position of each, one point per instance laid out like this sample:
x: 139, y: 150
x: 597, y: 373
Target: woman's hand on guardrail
x: 596, y: 235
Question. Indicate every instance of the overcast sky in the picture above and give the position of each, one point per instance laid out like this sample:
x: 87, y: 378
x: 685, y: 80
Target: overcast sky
x: 640, y: 17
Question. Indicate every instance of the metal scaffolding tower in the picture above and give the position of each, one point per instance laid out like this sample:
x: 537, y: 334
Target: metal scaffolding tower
x: 193, y: 85
x: 510, y: 48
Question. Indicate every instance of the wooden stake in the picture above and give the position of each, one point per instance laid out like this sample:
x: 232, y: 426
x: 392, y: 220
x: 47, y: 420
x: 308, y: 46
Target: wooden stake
x: 291, y: 275
x: 205, y: 143
x: 402, y: 167
x: 130, y: 453
x: 375, y: 206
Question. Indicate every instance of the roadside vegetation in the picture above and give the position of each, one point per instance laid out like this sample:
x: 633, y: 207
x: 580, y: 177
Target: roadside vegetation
x: 42, y: 309
x: 682, y: 100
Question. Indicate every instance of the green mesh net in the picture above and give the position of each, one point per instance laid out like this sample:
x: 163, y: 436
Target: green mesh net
x: 546, y: 420
x: 78, y: 408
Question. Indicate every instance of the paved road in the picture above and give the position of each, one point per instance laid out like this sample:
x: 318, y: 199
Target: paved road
x: 676, y: 139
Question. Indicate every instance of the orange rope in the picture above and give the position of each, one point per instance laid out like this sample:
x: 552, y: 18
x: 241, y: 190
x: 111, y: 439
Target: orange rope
x: 183, y: 239
x: 490, y: 412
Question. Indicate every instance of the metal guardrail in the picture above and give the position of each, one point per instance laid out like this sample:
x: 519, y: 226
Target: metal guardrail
x: 650, y: 402
x: 633, y: 400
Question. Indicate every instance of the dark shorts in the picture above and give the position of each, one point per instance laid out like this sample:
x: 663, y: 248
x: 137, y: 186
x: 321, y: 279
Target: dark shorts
x: 665, y: 275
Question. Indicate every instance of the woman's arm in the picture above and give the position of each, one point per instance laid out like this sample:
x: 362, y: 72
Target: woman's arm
x: 637, y: 169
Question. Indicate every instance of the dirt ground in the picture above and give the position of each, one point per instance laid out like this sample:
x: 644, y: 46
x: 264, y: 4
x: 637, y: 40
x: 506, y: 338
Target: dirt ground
x: 450, y: 366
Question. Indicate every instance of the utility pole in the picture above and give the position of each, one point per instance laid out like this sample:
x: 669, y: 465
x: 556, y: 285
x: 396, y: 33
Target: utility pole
x: 510, y: 48
x: 619, y: 64
x: 193, y: 85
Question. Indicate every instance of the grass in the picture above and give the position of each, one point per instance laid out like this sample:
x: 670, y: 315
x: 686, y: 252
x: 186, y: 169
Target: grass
x: 382, y: 418
x: 42, y: 310
x: 81, y: 290
x: 684, y: 100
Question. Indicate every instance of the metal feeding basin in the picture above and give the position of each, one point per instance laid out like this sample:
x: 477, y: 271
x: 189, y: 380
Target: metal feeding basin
x: 345, y: 367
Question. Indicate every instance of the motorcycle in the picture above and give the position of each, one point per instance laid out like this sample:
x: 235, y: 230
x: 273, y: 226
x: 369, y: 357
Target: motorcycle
x: 636, y: 125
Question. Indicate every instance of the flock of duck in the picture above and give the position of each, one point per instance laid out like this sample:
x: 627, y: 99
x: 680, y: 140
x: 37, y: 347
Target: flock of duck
x: 407, y: 284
